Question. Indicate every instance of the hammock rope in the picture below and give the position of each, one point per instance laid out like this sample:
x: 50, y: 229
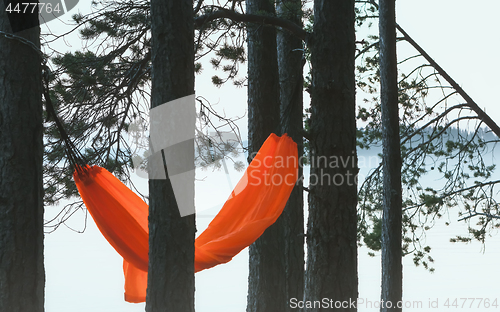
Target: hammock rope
x: 76, y: 159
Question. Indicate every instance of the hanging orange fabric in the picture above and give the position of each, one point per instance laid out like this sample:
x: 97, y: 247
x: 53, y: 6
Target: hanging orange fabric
x: 136, y: 282
x: 256, y: 202
x: 120, y: 215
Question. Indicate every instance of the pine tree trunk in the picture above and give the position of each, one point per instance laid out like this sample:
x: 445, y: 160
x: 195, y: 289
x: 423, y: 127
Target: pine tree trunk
x: 22, y: 275
x: 331, y: 232
x: 171, y: 237
x: 392, y: 270
x: 291, y: 222
x: 266, y: 281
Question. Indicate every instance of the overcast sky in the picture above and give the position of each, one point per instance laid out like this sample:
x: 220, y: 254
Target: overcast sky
x: 461, y: 36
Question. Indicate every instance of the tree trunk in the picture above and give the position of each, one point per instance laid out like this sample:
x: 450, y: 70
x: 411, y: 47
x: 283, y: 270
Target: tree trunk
x: 291, y: 222
x: 266, y: 281
x: 22, y: 275
x: 331, y: 232
x: 171, y: 237
x: 392, y: 270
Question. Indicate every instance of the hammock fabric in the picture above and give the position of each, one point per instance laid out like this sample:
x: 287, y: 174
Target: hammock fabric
x: 255, y: 203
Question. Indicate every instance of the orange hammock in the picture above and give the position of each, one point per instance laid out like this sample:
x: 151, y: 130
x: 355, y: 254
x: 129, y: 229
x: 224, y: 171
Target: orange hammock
x: 255, y: 203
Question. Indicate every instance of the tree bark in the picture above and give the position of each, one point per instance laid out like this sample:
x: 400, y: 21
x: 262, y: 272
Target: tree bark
x: 392, y: 270
x: 171, y: 237
x: 291, y: 222
x: 331, y: 232
x: 22, y: 275
x: 266, y: 280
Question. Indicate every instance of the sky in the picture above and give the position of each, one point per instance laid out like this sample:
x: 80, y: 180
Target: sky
x: 84, y: 273
x: 461, y: 38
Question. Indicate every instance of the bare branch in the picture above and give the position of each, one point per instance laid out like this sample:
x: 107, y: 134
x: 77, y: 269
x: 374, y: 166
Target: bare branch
x: 484, y: 117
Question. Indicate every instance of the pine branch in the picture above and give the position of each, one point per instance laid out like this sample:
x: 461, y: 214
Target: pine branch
x: 475, y: 214
x: 252, y: 18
